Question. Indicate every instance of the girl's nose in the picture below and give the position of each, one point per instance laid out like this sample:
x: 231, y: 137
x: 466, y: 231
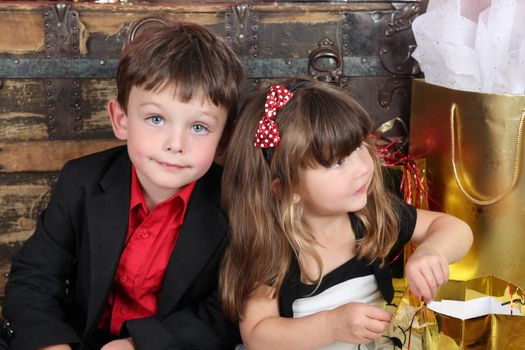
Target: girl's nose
x: 364, y: 163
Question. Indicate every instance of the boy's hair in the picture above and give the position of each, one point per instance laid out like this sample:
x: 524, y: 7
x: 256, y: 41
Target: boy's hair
x: 185, y: 55
x: 319, y: 125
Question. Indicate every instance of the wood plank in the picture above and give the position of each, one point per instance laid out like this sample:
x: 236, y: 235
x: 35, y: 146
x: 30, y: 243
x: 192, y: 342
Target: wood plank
x: 23, y: 196
x: 95, y: 95
x: 21, y: 32
x: 160, y: 6
x: 112, y: 23
x: 23, y: 109
x: 47, y: 155
x: 15, y: 126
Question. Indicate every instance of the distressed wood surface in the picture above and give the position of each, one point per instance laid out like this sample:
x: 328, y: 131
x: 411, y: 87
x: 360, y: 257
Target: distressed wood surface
x: 47, y: 155
x: 22, y: 197
x: 21, y: 32
x: 24, y: 113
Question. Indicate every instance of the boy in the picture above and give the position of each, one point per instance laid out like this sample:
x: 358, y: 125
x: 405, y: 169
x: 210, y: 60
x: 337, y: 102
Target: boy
x: 127, y: 253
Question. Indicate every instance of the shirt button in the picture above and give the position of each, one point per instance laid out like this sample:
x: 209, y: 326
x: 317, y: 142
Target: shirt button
x: 123, y: 310
x: 144, y: 235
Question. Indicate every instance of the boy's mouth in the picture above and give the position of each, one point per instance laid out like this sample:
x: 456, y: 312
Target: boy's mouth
x: 170, y: 165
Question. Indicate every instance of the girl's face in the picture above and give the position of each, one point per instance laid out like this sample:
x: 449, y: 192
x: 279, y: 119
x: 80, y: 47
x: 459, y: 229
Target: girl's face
x: 338, y: 189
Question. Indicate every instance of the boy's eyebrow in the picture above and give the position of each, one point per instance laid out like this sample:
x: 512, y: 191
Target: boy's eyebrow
x: 160, y: 106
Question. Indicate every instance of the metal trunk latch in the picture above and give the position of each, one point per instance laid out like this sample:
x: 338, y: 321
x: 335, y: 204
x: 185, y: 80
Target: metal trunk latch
x: 325, y: 63
x: 240, y: 27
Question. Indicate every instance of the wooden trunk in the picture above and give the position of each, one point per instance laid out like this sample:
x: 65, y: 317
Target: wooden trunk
x: 58, y: 59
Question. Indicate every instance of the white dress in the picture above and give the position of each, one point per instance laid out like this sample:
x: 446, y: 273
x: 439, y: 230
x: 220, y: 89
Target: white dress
x: 357, y: 280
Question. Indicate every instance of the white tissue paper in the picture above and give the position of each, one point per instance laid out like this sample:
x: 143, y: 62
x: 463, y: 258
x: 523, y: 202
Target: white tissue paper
x: 477, y: 307
x: 473, y: 45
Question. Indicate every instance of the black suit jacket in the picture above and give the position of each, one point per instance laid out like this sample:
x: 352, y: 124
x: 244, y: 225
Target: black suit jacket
x: 60, y: 279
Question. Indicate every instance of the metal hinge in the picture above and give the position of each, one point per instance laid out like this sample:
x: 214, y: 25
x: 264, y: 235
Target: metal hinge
x: 61, y: 28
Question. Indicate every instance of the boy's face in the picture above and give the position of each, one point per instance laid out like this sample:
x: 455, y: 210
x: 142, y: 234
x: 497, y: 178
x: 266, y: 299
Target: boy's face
x: 170, y: 143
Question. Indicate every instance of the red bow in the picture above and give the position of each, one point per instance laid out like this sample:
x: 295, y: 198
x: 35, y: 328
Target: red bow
x: 267, y: 135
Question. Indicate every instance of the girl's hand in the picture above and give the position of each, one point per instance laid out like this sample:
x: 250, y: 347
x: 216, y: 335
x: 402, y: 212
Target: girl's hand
x: 120, y: 344
x: 426, y: 270
x: 359, y: 323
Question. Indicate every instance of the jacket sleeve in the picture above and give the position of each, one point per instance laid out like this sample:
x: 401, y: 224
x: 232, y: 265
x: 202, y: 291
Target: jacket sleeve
x: 36, y: 290
x: 200, y: 326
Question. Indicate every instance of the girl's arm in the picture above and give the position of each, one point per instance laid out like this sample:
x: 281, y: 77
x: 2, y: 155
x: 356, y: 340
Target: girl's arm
x: 263, y: 328
x: 442, y: 239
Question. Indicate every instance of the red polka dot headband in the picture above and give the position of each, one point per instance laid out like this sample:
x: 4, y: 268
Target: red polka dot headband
x: 267, y: 135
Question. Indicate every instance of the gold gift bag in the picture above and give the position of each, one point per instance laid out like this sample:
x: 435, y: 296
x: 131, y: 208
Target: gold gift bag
x: 472, y: 144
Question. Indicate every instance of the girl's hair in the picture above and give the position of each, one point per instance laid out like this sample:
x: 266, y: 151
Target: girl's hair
x: 319, y: 125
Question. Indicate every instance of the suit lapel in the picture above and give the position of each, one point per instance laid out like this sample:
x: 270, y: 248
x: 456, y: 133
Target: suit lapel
x: 203, y: 230
x: 107, y: 228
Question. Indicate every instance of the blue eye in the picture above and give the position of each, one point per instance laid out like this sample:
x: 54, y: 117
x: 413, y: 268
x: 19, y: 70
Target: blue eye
x: 199, y: 128
x: 155, y: 120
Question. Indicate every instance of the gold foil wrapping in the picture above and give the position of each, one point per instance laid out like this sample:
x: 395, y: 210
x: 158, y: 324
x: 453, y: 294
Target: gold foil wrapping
x: 431, y: 330
x: 485, y: 135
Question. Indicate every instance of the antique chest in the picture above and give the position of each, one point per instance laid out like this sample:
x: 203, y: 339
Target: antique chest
x: 58, y: 59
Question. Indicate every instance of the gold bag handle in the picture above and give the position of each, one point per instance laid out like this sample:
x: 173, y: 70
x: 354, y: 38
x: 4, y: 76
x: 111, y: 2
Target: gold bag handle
x: 515, y: 170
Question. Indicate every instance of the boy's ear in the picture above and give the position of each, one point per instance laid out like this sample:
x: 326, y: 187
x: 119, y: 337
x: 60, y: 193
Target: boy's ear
x: 119, y: 119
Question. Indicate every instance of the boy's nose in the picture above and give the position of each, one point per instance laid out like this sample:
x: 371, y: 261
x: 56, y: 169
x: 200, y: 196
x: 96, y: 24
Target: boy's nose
x: 174, y: 143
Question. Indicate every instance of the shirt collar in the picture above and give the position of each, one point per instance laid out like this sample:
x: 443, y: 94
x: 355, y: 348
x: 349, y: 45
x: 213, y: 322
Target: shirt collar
x: 137, y: 196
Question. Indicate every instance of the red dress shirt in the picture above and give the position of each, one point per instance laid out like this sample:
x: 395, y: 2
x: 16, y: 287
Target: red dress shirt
x: 150, y: 240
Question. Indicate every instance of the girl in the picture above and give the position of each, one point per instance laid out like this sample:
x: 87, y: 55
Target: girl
x: 312, y: 227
